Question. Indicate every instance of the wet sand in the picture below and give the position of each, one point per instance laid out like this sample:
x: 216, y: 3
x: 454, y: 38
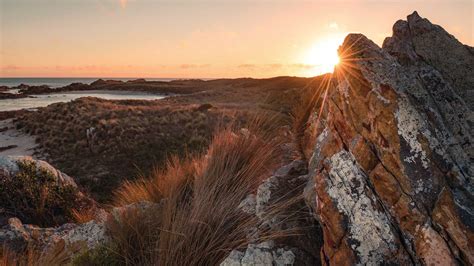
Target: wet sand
x: 25, y: 144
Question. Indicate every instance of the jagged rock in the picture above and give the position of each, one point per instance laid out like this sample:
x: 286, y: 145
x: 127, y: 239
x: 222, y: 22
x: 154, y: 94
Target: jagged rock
x: 69, y: 238
x: 280, y: 210
x: 391, y: 152
x: 418, y: 42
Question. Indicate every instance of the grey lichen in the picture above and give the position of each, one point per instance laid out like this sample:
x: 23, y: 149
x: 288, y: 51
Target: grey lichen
x: 261, y: 254
x: 369, y: 232
x: 410, y: 125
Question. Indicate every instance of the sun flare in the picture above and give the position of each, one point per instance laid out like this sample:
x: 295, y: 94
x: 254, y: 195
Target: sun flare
x: 322, y: 56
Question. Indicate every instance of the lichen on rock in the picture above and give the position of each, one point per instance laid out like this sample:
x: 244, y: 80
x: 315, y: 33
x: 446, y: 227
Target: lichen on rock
x: 392, y: 167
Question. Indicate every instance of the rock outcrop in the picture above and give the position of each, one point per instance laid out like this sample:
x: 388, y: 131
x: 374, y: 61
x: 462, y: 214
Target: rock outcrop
x: 284, y: 219
x: 69, y: 240
x: 38, y: 193
x: 26, y: 186
x: 418, y: 43
x: 392, y: 151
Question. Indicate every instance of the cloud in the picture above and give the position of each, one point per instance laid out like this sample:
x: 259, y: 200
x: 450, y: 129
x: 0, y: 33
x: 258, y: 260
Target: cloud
x: 275, y: 66
x: 247, y: 66
x: 302, y: 66
x: 11, y: 68
x: 188, y: 66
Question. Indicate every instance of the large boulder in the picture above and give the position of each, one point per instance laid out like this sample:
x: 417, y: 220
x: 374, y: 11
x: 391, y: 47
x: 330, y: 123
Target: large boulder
x: 10, y: 165
x: 391, y: 153
x: 38, y: 193
x: 35, y: 192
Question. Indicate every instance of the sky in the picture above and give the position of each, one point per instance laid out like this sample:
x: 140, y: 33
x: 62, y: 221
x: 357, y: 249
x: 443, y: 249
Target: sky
x: 199, y: 38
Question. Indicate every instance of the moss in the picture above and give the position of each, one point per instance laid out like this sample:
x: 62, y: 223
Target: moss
x: 102, y: 255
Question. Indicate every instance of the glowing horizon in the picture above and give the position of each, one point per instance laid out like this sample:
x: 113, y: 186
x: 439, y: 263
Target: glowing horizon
x: 198, y: 38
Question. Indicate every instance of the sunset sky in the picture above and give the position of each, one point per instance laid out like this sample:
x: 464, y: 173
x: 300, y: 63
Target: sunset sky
x: 197, y: 38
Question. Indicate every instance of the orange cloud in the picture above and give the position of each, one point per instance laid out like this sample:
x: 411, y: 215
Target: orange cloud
x: 247, y: 66
x: 186, y: 66
x: 123, y: 3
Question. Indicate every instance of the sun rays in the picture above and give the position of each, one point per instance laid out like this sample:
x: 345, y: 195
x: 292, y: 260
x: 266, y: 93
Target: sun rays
x: 346, y: 70
x: 322, y: 55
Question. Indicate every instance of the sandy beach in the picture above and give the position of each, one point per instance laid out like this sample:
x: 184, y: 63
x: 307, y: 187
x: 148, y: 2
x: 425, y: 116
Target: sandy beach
x: 21, y: 143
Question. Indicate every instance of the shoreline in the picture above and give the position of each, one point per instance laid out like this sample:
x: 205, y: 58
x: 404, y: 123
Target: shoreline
x: 34, y: 101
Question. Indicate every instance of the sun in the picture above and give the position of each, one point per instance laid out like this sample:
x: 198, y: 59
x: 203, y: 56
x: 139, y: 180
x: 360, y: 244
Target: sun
x: 322, y: 56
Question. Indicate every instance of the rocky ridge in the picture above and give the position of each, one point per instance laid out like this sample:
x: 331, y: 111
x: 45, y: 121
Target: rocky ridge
x: 391, y: 155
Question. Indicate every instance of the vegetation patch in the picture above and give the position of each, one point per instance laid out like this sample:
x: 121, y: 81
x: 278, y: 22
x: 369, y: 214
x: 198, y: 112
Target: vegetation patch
x: 199, y: 221
x: 34, y: 196
x: 102, y: 143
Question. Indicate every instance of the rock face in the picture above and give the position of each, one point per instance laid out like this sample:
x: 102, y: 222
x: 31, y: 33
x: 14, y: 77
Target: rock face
x: 417, y: 42
x: 280, y: 209
x: 392, y: 151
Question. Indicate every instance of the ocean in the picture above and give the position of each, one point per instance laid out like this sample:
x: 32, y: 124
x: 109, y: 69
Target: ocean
x: 60, y: 82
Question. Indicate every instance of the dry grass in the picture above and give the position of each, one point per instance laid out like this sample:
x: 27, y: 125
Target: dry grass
x: 208, y: 225
x: 83, y: 216
x: 133, y: 136
x: 160, y: 184
x: 33, y: 256
x: 127, y: 137
x: 199, y: 221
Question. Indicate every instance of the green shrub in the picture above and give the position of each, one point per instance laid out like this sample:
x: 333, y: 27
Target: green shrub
x: 101, y: 256
x: 34, y: 196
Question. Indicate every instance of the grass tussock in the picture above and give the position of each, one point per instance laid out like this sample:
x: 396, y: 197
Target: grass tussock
x: 31, y: 255
x: 199, y: 221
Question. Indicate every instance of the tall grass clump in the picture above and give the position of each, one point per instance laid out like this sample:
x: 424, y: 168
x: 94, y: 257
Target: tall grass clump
x: 199, y: 221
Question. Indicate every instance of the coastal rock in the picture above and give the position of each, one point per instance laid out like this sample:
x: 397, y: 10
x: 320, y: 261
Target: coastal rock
x: 392, y: 150
x: 35, y: 89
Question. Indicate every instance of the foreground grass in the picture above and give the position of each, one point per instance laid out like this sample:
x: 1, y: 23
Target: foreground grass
x: 198, y: 222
